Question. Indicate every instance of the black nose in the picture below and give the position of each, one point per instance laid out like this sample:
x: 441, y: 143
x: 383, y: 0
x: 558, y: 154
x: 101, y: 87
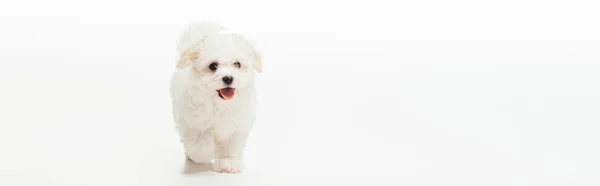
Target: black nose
x: 228, y: 80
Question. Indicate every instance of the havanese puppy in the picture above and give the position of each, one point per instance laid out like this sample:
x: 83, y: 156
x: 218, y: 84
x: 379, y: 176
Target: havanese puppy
x: 213, y: 95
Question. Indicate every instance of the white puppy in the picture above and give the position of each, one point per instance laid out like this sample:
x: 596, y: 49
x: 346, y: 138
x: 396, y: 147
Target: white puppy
x: 213, y: 94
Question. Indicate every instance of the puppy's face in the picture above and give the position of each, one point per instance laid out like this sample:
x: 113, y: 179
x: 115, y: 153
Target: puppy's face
x: 224, y: 64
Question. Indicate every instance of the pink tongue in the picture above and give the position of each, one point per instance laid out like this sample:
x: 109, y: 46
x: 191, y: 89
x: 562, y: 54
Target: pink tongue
x: 227, y: 93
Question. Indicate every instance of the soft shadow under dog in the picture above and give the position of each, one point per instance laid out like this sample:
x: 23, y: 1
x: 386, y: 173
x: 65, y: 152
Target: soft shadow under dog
x: 191, y: 168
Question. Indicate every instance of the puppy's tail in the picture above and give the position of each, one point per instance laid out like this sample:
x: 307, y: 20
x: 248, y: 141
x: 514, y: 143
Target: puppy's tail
x: 195, y: 32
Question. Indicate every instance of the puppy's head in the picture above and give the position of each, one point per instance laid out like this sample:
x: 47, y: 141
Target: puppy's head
x: 223, y: 63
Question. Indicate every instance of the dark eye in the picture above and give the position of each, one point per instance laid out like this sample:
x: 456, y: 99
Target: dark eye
x: 237, y: 64
x: 213, y: 66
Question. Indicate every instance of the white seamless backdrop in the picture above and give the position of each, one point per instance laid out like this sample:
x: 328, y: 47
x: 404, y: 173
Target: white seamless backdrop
x: 365, y: 92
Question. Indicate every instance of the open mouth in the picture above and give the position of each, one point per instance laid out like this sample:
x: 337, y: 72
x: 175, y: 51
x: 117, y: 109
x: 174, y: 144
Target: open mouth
x: 226, y: 93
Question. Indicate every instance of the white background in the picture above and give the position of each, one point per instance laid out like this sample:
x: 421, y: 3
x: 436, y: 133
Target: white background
x: 464, y: 93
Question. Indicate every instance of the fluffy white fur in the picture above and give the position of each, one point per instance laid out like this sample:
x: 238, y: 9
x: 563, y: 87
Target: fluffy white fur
x: 211, y: 128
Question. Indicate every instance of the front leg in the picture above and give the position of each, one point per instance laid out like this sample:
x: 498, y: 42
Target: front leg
x: 230, y: 153
x: 200, y: 148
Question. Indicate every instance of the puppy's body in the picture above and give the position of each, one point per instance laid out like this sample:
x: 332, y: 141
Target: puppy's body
x: 214, y: 96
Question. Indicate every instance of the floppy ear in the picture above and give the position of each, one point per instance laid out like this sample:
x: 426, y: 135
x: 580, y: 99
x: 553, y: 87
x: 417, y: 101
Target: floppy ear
x: 257, y: 62
x: 188, y: 56
x: 257, y: 57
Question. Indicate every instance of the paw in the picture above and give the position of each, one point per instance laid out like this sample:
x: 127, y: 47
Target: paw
x: 200, y: 158
x: 228, y: 165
